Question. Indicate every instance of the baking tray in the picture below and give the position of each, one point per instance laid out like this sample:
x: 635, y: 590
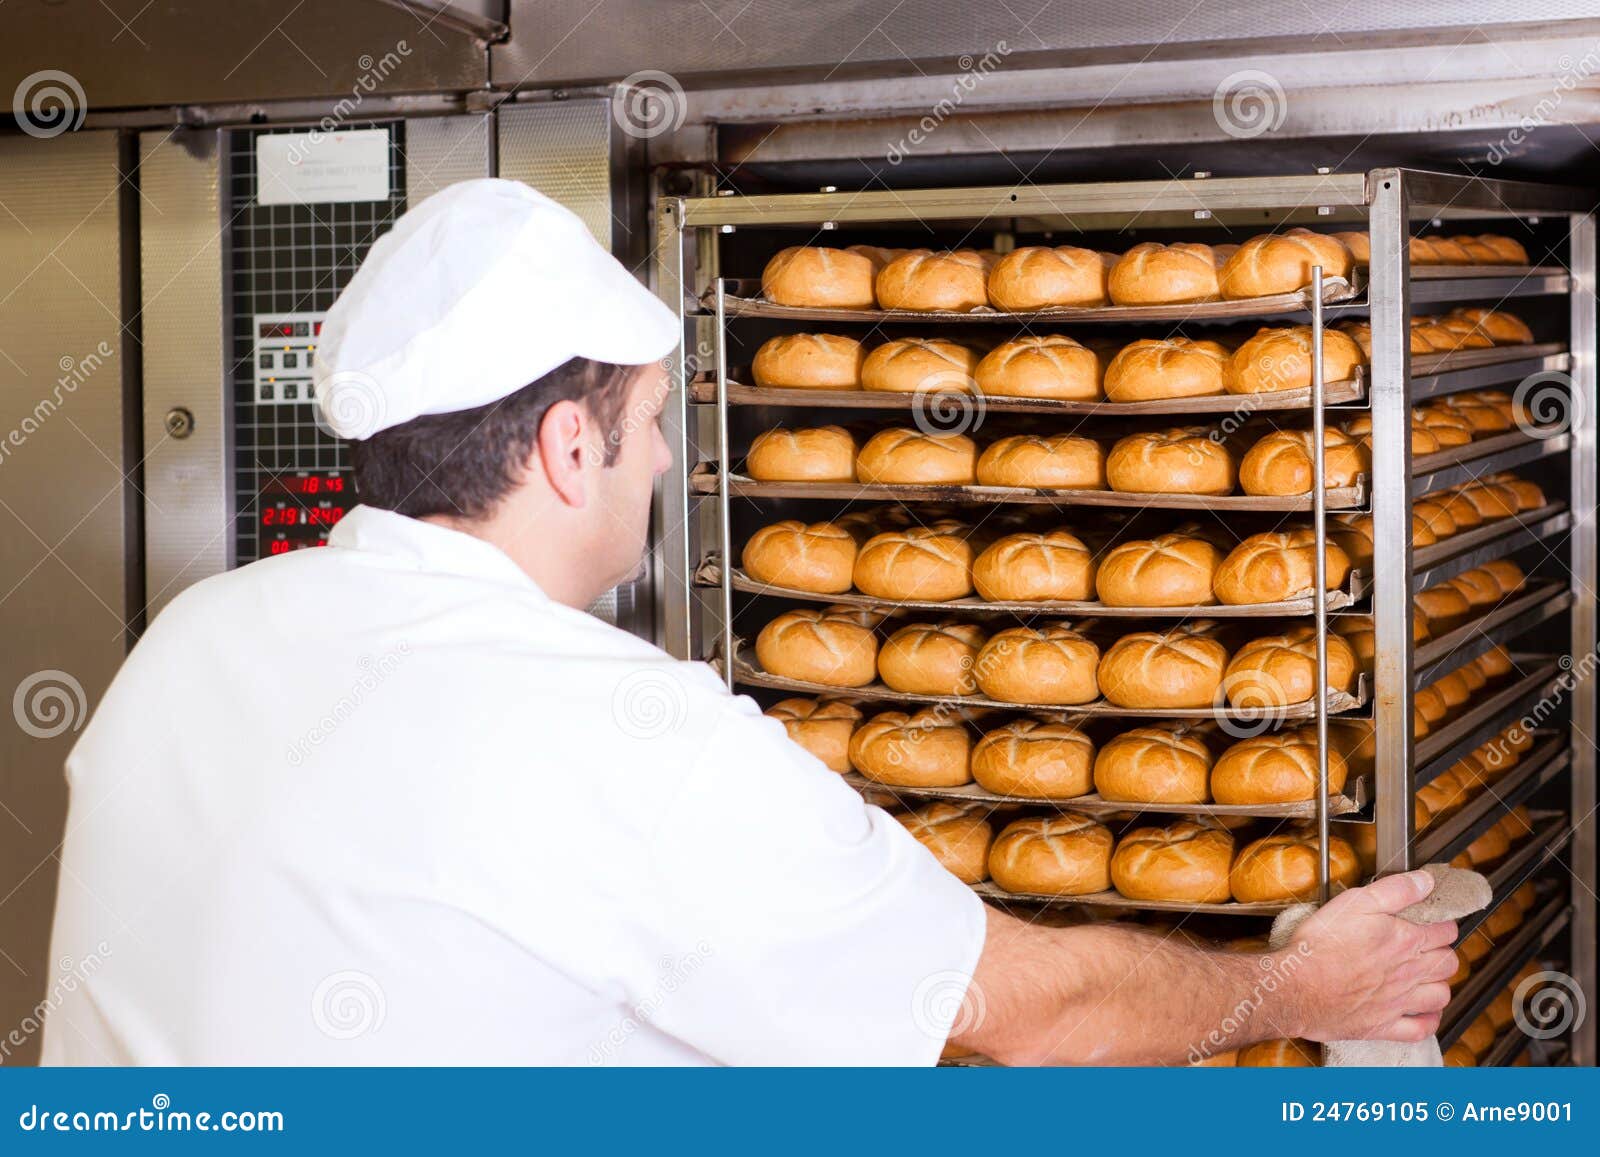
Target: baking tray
x: 1448, y: 557
x: 1444, y: 840
x: 1536, y: 931
x: 1430, y: 472
x: 747, y: 671
x: 1487, y: 717
x: 991, y: 891
x: 1432, y: 272
x: 1357, y: 794
x: 704, y: 391
x: 1517, y: 869
x: 742, y: 298
x: 709, y: 574
x: 1507, y: 620
x: 703, y: 483
x: 1432, y: 365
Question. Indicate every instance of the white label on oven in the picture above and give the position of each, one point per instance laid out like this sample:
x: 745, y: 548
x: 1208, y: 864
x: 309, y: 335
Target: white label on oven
x: 322, y: 168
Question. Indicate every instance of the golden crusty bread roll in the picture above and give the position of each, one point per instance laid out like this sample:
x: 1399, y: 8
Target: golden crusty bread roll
x: 1052, y: 665
x: 926, y: 563
x: 922, y: 280
x: 1462, y: 512
x: 1061, y: 855
x: 1177, y: 668
x: 1183, y: 861
x: 1279, y: 358
x: 1277, y: 565
x: 1281, y: 1054
x: 1278, y: 670
x: 809, y: 361
x: 1446, y: 607
x: 1175, y: 367
x: 1178, y: 460
x: 1480, y: 253
x: 1509, y: 251
x: 818, y: 557
x: 1046, y: 277
x: 1050, y: 461
x: 1449, y: 427
x: 1041, y: 366
x: 1491, y: 499
x: 1435, y: 516
x: 1481, y: 588
x: 1170, y: 570
x: 835, y: 645
x: 1505, y: 572
x: 1358, y: 242
x: 816, y: 276
x: 1035, y: 760
x: 813, y: 454
x: 1423, y: 439
x: 1281, y: 263
x: 1484, y: 417
x: 925, y: 749
x: 1284, y: 868
x: 1153, y: 765
x: 1529, y: 496
x: 821, y: 726
x: 919, y: 365
x: 900, y: 455
x: 1276, y: 767
x: 1280, y: 462
x: 959, y: 838
x: 1496, y: 663
x: 1154, y: 274
x: 1027, y: 567
x: 1503, y: 328
x: 877, y: 254
x: 931, y: 658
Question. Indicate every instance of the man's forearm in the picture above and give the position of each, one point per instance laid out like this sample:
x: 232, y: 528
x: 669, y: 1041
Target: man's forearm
x: 1108, y: 995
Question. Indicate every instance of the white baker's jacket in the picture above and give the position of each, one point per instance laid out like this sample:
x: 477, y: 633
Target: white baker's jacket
x: 387, y: 803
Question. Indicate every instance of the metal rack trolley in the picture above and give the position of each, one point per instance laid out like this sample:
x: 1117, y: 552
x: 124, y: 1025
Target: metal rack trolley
x: 693, y: 507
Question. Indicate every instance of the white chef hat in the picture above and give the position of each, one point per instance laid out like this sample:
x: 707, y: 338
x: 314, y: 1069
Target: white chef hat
x: 478, y: 291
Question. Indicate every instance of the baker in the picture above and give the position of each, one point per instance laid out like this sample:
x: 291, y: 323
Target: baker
x: 403, y: 800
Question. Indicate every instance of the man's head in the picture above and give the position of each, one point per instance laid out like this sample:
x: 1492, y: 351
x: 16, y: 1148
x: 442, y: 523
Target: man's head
x: 498, y: 371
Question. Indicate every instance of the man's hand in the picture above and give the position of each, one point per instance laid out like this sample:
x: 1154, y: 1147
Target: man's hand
x: 1368, y: 974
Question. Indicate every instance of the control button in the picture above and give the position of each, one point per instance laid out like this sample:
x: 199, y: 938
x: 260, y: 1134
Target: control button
x: 290, y: 361
x: 268, y: 393
x: 302, y: 329
x: 266, y: 361
x: 291, y: 392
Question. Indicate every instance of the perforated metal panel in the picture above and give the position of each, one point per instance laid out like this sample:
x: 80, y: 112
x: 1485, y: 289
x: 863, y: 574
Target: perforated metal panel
x: 443, y: 150
x: 564, y: 151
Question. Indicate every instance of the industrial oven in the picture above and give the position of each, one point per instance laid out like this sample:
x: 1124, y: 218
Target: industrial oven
x: 176, y: 308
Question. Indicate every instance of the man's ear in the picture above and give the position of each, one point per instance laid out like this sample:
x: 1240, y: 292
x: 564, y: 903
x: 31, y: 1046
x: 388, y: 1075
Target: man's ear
x: 562, y: 449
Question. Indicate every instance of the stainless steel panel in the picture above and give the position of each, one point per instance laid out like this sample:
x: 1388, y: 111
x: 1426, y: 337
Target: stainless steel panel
x: 443, y: 150
x: 564, y: 150
x: 64, y: 539
x: 188, y: 512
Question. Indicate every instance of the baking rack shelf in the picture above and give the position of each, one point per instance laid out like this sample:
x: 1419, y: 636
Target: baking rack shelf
x: 1549, y: 758
x: 710, y: 575
x: 1508, y: 620
x: 1433, y: 375
x: 747, y: 671
x: 1495, y: 972
x: 1518, y: 869
x: 1431, y: 565
x: 1357, y: 794
x: 991, y: 891
x: 1430, y: 472
x: 1504, y: 705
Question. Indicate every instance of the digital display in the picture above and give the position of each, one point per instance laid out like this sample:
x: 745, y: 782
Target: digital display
x: 284, y: 545
x: 283, y: 516
x: 308, y: 484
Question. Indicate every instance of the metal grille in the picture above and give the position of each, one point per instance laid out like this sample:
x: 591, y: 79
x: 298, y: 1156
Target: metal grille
x: 288, y: 259
x: 563, y: 150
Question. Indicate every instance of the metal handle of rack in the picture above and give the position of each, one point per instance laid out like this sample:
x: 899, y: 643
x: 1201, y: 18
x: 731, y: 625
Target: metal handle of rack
x: 1319, y: 594
x: 724, y: 468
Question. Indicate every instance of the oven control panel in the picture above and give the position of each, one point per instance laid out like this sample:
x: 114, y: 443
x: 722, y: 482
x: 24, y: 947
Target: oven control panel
x: 298, y: 509
x: 285, y: 346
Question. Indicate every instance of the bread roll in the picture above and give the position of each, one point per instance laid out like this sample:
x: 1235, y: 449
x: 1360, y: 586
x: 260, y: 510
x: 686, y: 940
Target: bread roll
x: 959, y: 838
x: 1488, y: 849
x: 1276, y: 566
x: 1279, y: 358
x: 931, y: 658
x: 1046, y: 277
x: 1178, y: 668
x: 1282, y: 262
x: 821, y: 726
x: 923, y: 563
x: 1491, y: 499
x: 1423, y: 440
x: 1435, y: 517
x: 922, y: 280
x: 1277, y: 767
x: 1184, y: 861
x: 899, y: 455
x: 1449, y: 251
x: 1044, y: 461
x: 1446, y: 607
x: 1506, y: 573
x: 1179, y: 460
x: 811, y: 275
x: 1063, y: 855
x: 835, y: 646
x: 1481, y: 589
x: 1510, y: 252
x: 1174, y: 367
x: 1462, y: 512
x: 1284, y: 868
x: 1170, y: 570
x: 1353, y: 533
x: 818, y: 557
x: 1035, y: 567
x: 1359, y: 244
x: 1051, y: 665
x: 1449, y: 427
x: 914, y: 365
x: 1048, y: 366
x: 1528, y: 494
x: 809, y: 361
x: 1281, y: 1054
x: 1153, y: 765
x: 1152, y: 274
x: 1034, y: 760
x: 818, y: 454
x: 1484, y: 418
x: 1501, y: 327
x: 1496, y: 663
x: 1465, y: 335
x: 926, y: 749
x: 1279, y: 670
x: 1280, y: 463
